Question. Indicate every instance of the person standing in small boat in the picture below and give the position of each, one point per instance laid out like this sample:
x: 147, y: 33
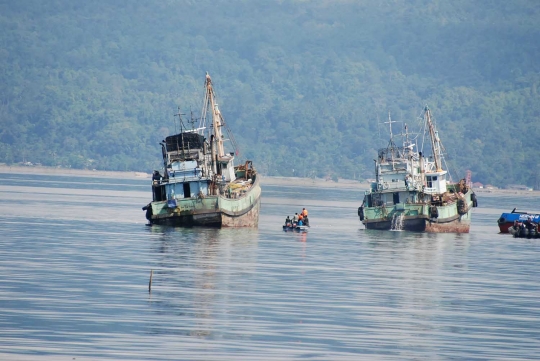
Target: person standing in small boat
x: 305, y: 217
x: 295, y: 218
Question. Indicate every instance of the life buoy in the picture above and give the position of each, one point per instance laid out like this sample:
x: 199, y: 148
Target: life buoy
x: 361, y: 213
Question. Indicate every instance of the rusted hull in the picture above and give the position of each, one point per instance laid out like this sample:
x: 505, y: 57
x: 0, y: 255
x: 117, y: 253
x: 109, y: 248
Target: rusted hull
x: 423, y: 225
x: 452, y: 217
x: 455, y: 223
x: 213, y: 219
x: 211, y: 211
x: 455, y: 226
x: 248, y: 219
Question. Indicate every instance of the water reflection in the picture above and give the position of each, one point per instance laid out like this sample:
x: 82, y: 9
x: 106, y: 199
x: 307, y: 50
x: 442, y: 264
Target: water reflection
x: 197, y: 274
x: 409, y: 280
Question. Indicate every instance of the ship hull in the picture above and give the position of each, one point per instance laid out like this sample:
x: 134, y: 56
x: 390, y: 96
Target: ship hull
x: 455, y: 224
x: 210, y: 211
x: 413, y: 224
x: 249, y: 217
x: 458, y: 224
x: 416, y: 218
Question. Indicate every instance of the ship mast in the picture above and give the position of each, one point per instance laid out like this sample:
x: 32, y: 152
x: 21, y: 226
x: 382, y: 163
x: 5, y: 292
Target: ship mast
x: 217, y: 119
x: 392, y: 144
x: 435, y: 142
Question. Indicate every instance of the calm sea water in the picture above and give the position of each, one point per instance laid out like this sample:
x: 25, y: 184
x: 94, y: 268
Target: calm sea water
x: 76, y: 257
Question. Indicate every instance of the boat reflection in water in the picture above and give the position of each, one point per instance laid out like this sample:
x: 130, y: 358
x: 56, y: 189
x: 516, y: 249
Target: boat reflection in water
x: 192, y: 277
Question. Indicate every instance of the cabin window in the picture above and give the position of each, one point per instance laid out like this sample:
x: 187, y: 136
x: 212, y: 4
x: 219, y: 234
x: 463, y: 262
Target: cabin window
x: 396, y: 197
x: 434, y: 178
x: 428, y: 181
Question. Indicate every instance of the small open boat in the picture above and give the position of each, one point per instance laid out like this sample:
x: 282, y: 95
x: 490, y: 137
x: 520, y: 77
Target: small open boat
x: 294, y: 228
x: 291, y: 226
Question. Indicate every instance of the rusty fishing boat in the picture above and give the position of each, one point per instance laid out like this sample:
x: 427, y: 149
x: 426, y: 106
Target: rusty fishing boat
x: 200, y: 185
x: 413, y: 192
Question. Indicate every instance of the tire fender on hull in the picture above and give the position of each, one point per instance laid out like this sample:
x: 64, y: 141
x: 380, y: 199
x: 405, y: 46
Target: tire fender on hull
x: 148, y: 209
x: 361, y: 213
x: 474, y: 200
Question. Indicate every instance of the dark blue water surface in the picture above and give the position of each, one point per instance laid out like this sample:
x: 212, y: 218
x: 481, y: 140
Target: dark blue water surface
x: 76, y: 258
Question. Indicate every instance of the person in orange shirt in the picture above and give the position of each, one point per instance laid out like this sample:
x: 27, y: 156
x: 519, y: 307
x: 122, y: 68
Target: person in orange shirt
x: 304, y: 214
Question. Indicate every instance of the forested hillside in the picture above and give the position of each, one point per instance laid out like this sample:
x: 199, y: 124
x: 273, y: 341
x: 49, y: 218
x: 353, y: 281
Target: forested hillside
x: 304, y: 85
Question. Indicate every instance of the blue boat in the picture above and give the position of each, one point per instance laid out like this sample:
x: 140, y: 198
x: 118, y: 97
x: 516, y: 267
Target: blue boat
x: 506, y: 220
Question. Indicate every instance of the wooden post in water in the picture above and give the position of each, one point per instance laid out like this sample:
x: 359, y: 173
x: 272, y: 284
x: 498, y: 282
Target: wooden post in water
x: 150, y: 282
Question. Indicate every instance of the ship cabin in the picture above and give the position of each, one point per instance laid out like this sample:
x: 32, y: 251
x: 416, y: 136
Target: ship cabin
x: 435, y: 182
x: 225, y: 167
x: 397, y: 178
x: 184, y: 176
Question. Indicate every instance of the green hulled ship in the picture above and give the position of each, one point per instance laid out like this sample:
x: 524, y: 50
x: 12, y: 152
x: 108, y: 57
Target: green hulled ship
x: 200, y: 185
x: 412, y: 192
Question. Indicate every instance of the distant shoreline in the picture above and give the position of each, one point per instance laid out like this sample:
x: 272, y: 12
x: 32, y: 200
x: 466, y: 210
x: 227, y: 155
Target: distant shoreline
x: 69, y: 171
x: 273, y: 181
